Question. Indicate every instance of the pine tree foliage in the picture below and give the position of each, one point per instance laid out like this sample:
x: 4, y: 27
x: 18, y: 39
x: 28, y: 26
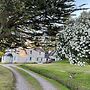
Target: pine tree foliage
x: 19, y: 17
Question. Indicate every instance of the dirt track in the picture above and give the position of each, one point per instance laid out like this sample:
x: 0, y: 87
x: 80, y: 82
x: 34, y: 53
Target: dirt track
x: 21, y: 83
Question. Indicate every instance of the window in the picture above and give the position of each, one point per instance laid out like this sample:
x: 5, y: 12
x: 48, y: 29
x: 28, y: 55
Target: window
x: 37, y: 59
x: 31, y: 52
x: 30, y: 58
x: 41, y: 59
x: 39, y: 53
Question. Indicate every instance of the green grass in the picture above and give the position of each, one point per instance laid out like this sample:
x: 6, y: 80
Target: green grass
x: 32, y: 81
x: 6, y: 79
x: 62, y: 73
x: 54, y: 82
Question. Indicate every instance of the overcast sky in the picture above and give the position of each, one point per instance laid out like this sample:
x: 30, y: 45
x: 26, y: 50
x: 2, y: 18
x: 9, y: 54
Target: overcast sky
x: 80, y: 2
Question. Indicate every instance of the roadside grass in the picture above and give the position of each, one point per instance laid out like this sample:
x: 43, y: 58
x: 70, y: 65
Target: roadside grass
x: 72, y: 76
x: 32, y: 81
x: 54, y: 82
x: 6, y: 79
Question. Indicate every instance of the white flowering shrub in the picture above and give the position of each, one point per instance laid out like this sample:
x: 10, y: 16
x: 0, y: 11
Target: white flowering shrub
x: 74, y: 42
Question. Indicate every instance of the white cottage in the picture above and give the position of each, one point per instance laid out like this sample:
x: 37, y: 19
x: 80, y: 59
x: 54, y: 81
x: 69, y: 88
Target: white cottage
x: 20, y: 55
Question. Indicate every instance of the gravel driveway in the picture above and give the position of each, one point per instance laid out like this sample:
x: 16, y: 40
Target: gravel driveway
x: 21, y: 84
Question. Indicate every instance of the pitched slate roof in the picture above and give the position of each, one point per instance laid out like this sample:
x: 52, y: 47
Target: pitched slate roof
x: 39, y: 49
x: 52, y: 53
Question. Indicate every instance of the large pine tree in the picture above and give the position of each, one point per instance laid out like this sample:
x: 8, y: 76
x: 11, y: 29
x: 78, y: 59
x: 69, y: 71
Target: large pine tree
x: 18, y: 17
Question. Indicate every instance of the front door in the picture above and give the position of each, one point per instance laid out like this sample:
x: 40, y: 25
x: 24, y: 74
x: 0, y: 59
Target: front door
x: 39, y: 60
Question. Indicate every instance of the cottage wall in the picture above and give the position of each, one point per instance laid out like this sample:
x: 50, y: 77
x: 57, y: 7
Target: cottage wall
x: 23, y: 56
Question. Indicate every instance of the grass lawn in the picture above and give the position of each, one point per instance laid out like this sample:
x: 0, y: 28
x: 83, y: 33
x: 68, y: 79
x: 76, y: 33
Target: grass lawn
x: 33, y: 82
x: 6, y: 79
x: 55, y: 83
x: 74, y: 77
